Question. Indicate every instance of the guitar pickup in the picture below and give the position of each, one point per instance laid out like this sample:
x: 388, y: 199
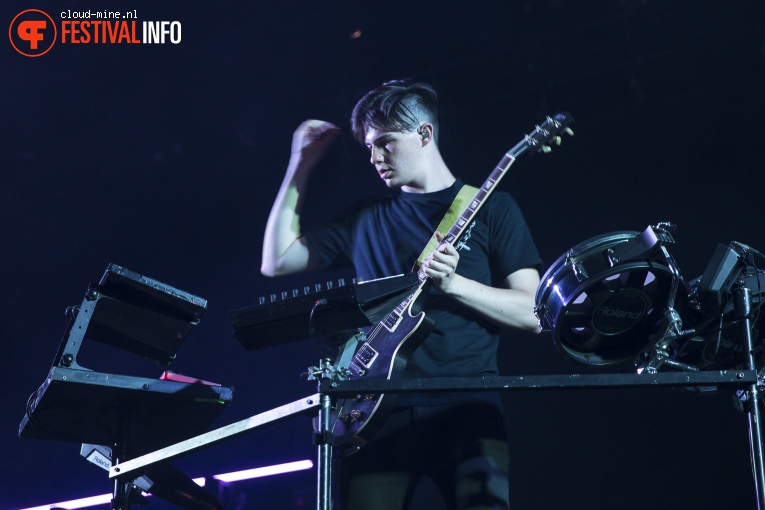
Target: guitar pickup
x: 366, y: 356
x: 391, y: 321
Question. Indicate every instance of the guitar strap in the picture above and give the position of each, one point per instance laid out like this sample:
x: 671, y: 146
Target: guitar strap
x: 465, y: 195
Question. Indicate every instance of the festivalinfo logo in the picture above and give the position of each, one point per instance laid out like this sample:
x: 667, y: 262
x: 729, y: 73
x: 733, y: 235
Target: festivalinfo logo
x: 33, y: 32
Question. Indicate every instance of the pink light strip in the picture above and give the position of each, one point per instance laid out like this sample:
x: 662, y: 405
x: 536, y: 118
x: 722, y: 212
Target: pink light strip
x: 104, y: 499
x: 289, y: 467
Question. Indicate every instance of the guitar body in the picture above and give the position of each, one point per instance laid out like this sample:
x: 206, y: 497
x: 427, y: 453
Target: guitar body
x: 383, y: 356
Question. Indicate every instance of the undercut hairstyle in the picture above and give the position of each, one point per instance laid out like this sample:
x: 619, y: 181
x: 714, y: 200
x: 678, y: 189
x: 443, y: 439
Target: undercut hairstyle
x: 396, y: 106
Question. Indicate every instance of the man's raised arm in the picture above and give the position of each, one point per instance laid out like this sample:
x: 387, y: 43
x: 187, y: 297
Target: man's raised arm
x: 283, y: 250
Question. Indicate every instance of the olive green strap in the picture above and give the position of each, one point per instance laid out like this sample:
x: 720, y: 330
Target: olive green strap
x: 460, y: 203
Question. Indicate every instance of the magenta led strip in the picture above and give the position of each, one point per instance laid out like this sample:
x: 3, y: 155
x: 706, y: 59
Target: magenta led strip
x: 236, y: 476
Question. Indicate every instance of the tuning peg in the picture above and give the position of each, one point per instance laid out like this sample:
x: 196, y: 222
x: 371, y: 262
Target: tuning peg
x: 557, y: 140
x: 546, y: 149
x: 569, y: 131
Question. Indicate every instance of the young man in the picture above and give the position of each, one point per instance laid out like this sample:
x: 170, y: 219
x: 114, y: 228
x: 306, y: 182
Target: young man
x: 488, y: 280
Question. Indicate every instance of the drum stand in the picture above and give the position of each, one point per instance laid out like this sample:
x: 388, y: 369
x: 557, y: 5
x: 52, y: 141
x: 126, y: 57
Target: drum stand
x: 750, y: 399
x: 743, y: 309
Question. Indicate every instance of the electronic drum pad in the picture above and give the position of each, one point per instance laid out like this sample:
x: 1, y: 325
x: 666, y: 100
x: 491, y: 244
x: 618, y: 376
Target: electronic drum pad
x: 600, y: 308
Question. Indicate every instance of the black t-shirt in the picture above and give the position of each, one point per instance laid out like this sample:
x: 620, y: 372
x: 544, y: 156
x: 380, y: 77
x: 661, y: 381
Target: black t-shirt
x: 386, y: 238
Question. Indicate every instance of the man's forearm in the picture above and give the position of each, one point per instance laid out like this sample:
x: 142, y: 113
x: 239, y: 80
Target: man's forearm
x: 506, y: 307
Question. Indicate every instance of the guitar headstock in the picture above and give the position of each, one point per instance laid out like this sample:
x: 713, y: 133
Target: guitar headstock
x: 548, y: 133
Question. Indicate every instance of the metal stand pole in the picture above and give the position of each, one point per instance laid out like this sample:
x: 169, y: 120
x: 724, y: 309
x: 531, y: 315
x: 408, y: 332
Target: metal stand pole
x: 743, y: 307
x: 324, y: 471
x: 122, y: 486
x: 120, y: 493
x: 324, y: 373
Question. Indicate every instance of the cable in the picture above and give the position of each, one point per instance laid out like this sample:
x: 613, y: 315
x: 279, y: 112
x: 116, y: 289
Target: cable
x: 317, y: 304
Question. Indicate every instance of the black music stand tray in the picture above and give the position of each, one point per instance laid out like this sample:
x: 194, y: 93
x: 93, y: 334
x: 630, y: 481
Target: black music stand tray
x: 131, y: 415
x: 331, y: 311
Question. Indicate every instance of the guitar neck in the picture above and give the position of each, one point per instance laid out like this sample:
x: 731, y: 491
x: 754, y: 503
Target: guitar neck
x: 456, y: 231
x: 535, y: 140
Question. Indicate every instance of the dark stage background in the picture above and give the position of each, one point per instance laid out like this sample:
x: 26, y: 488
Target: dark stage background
x: 165, y: 159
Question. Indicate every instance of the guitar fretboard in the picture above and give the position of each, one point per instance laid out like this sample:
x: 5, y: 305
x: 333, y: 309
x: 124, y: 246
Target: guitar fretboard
x: 456, y: 231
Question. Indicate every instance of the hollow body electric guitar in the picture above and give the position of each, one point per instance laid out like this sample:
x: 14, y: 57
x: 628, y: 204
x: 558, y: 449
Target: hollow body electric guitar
x: 387, y: 346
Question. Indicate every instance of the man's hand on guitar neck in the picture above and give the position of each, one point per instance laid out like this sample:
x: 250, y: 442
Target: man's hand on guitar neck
x: 441, y: 265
